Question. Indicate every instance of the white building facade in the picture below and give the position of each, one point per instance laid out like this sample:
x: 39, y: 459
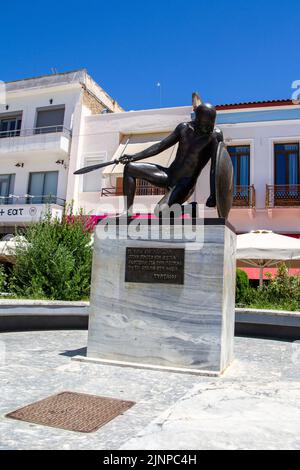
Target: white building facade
x: 52, y: 125
x: 40, y: 124
x: 262, y: 138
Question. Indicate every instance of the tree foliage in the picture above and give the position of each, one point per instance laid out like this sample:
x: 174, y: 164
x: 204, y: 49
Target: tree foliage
x: 3, y: 279
x: 281, y: 292
x: 56, y: 263
x: 242, y: 285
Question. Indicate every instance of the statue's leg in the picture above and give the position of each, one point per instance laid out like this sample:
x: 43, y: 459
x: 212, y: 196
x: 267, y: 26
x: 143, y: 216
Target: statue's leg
x: 154, y: 174
x: 179, y: 194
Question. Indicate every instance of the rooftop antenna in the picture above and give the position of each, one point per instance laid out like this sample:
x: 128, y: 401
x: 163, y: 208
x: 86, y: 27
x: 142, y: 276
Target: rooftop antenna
x: 160, y: 93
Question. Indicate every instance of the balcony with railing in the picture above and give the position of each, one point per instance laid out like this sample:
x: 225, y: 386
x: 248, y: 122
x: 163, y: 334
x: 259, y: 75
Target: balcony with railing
x: 244, y: 196
x: 52, y: 138
x: 108, y: 192
x: 143, y: 188
x: 282, y: 196
x: 31, y: 200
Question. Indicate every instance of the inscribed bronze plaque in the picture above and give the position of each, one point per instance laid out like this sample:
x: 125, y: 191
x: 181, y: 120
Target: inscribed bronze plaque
x: 155, y: 265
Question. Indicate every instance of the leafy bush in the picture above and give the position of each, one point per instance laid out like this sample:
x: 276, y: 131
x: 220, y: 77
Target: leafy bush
x: 284, y: 286
x: 3, y: 279
x: 282, y: 292
x: 56, y: 263
x: 242, y: 286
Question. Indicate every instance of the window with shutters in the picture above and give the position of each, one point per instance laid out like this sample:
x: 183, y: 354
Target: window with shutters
x: 92, y: 182
x: 50, y: 120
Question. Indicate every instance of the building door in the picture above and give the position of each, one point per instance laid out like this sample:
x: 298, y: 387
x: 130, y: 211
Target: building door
x: 286, y: 191
x: 43, y: 187
x: 119, y: 186
x: 240, y: 157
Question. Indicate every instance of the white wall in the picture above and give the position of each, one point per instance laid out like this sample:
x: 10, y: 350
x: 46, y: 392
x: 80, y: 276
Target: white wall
x: 77, y: 153
x: 43, y: 159
x: 29, y: 101
x: 37, y: 162
x: 104, y: 133
x: 262, y: 137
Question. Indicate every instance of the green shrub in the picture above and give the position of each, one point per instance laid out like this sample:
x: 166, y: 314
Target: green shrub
x: 282, y: 292
x: 242, y: 286
x: 3, y: 279
x: 284, y: 287
x: 56, y: 263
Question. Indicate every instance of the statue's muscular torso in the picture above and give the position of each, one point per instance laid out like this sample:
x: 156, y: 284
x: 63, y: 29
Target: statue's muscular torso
x: 194, y: 151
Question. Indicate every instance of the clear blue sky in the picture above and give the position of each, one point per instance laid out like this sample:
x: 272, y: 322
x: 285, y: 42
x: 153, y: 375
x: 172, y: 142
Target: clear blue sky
x: 229, y: 51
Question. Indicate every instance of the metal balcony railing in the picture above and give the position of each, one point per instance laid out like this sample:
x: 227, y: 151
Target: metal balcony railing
x: 29, y: 199
x: 244, y: 196
x: 35, y: 131
x: 143, y: 188
x: 106, y: 192
x: 283, y: 195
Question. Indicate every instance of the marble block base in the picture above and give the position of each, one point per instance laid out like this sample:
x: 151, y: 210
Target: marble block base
x: 187, y: 327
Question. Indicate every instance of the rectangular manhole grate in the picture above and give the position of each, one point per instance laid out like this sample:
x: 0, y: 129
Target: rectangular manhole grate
x: 72, y: 411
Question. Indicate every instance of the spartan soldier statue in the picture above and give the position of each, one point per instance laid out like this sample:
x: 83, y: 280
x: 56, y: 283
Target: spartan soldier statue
x: 199, y: 142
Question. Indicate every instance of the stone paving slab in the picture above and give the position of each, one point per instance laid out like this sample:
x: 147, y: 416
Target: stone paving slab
x: 255, y: 405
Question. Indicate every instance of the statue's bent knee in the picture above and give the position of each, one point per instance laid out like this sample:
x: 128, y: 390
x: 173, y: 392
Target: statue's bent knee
x: 127, y: 168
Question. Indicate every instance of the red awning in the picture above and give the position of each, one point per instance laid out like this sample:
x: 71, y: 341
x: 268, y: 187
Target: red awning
x: 253, y: 273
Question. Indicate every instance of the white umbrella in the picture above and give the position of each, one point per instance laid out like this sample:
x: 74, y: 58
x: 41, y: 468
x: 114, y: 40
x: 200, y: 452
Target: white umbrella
x: 262, y: 249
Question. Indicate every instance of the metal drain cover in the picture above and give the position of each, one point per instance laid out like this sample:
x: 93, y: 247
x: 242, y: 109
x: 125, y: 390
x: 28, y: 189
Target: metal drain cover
x: 72, y: 411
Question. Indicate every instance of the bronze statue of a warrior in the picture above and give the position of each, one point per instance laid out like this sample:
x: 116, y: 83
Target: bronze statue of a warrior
x: 199, y: 141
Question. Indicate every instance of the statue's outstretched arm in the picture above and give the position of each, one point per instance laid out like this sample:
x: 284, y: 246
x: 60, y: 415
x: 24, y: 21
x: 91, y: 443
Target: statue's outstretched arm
x: 155, y: 149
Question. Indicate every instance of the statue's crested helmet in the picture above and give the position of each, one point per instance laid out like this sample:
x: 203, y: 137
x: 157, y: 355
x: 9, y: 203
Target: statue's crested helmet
x: 206, y: 112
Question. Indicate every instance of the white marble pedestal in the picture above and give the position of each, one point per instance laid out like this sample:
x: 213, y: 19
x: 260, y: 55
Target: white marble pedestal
x: 185, y: 328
